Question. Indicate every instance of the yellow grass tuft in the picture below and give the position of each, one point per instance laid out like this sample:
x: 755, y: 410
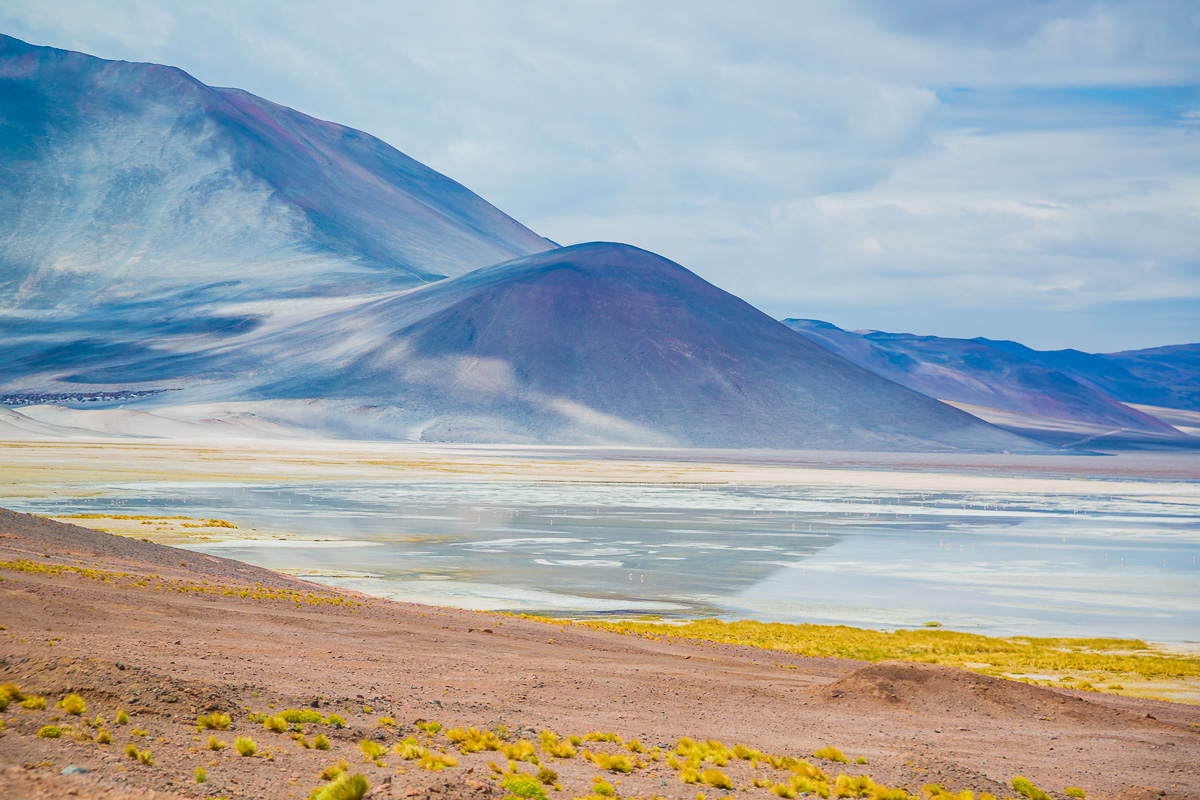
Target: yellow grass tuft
x: 345, y: 787
x: 73, y: 704
x: 245, y: 746
x: 830, y: 753
x: 215, y: 721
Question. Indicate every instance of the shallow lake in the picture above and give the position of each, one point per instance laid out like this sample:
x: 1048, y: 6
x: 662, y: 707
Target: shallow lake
x: 1005, y: 562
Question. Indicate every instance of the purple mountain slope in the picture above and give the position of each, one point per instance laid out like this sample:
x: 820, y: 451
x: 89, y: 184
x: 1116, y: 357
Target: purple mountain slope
x: 124, y: 182
x: 599, y: 343
x: 1160, y: 376
x: 994, y: 375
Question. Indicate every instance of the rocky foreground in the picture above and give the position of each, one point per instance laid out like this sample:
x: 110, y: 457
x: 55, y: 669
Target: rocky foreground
x: 319, y: 678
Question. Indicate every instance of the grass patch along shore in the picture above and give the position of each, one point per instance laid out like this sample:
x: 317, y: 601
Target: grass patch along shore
x: 1118, y: 666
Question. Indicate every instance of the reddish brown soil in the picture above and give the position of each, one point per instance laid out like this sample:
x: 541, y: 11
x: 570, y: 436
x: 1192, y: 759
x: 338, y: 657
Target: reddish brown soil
x: 166, y: 656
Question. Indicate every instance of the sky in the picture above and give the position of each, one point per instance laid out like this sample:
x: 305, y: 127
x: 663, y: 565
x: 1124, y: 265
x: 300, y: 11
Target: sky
x: 1011, y: 169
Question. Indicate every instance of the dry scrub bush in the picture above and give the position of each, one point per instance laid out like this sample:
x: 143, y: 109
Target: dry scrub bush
x: 553, y: 747
x: 214, y: 743
x: 610, y: 762
x: 831, y: 754
x: 73, y: 704
x: 437, y: 761
x: 320, y: 743
x: 34, y: 703
x: 473, y: 740
x: 1026, y: 789
x: 520, y: 750
x: 245, y: 746
x: 334, y: 770
x: 409, y: 749
x: 345, y: 787
x: 275, y: 724
x: 523, y: 786
x: 50, y: 732
x: 215, y: 721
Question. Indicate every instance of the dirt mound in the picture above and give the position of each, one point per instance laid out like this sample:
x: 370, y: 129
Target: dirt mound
x: 936, y: 689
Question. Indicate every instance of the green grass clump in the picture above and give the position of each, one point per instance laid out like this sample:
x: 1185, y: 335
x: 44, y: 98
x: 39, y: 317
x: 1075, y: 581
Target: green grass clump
x: 11, y: 693
x: 201, y: 775
x: 429, y: 727
x: 547, y: 776
x: 831, y: 754
x: 214, y: 743
x: 345, y: 787
x: 1074, y: 791
x: 275, y: 724
x: 321, y: 742
x: 336, y: 720
x: 1023, y: 787
x: 103, y: 737
x: 245, y: 746
x: 523, y: 786
x: 4, y: 703
x: 73, y: 704
x: 122, y: 718
x: 34, y: 703
x: 50, y: 732
x: 386, y: 722
x: 601, y: 736
x: 215, y: 721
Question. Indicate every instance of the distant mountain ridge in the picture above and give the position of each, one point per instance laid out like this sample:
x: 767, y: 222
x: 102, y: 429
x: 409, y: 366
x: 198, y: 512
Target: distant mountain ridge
x: 1068, y: 385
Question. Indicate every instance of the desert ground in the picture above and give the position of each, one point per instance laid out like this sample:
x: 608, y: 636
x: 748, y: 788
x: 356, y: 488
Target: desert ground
x: 168, y: 636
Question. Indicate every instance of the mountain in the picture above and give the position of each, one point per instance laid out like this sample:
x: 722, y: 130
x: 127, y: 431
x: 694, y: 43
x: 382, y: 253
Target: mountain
x: 596, y: 343
x: 1168, y: 377
x: 178, y: 259
x: 137, y: 189
x: 1061, y: 397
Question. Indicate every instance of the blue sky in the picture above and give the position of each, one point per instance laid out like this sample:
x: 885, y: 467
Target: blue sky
x: 1010, y: 169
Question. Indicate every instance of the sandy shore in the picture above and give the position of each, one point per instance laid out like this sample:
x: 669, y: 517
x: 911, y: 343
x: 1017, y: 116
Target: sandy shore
x: 30, y: 469
x: 183, y: 634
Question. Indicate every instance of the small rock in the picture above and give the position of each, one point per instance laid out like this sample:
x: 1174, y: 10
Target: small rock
x: 74, y: 771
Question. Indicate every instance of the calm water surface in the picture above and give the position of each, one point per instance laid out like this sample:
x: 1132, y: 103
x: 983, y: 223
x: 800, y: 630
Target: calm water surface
x: 1004, y: 563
